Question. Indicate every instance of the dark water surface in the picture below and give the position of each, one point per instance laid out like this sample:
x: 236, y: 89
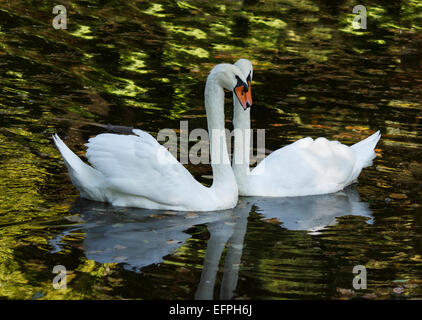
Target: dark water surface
x: 143, y: 64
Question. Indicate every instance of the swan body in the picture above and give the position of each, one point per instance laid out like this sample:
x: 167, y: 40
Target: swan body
x: 305, y: 167
x: 136, y: 171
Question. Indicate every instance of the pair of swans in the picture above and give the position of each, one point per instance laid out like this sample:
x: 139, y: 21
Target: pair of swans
x: 127, y: 172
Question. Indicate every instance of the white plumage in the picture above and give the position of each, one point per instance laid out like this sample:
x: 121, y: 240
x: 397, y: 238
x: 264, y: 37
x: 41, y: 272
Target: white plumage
x: 305, y: 167
x: 136, y: 171
x: 310, y: 167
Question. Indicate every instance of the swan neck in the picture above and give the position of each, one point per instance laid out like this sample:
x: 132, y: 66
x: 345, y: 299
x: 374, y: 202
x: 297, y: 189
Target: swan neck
x: 223, y: 177
x: 242, y: 140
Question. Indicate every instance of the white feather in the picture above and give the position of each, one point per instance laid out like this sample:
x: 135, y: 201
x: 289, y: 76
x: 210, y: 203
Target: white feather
x: 305, y: 167
x: 136, y: 171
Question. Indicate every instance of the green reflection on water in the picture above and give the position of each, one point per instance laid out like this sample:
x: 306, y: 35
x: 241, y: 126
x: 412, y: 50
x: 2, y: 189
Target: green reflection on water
x: 143, y: 64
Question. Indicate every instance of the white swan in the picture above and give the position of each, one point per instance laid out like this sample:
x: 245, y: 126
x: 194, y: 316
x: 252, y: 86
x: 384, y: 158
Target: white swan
x: 136, y: 171
x: 305, y: 167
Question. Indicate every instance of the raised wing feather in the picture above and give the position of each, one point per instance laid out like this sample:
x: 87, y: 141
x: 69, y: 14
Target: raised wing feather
x: 138, y: 165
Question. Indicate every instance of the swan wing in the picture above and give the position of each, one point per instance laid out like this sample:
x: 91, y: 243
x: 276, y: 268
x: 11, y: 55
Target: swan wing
x: 137, y: 165
x: 305, y: 167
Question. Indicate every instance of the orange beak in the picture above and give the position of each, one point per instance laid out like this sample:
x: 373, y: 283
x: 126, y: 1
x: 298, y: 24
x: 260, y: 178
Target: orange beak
x: 245, y: 98
x: 249, y: 94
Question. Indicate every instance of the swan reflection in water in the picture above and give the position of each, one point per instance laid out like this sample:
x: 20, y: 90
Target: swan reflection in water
x: 142, y: 237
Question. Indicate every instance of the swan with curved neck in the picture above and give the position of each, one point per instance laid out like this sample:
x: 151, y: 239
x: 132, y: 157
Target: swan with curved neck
x: 126, y: 170
x: 305, y: 167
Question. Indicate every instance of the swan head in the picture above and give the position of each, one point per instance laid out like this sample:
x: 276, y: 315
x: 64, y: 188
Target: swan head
x: 230, y: 77
x: 246, y: 67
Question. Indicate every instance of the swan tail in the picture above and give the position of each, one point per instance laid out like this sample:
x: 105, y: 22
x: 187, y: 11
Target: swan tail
x: 364, y: 150
x: 85, y: 178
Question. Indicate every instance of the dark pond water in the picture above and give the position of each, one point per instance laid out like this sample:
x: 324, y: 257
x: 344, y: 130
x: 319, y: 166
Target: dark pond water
x: 143, y: 64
